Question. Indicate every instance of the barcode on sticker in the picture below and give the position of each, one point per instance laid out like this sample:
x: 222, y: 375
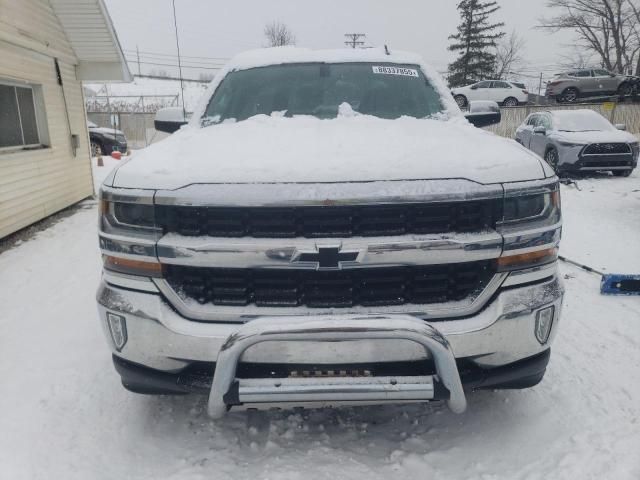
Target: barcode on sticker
x: 407, y: 72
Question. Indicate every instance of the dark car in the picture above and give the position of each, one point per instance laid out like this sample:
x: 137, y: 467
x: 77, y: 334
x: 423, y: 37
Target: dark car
x: 106, y: 140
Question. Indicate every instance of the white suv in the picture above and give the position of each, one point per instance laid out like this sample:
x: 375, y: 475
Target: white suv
x: 508, y: 94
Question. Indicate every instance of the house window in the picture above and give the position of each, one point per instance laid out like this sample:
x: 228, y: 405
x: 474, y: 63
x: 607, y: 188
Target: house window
x: 19, y: 116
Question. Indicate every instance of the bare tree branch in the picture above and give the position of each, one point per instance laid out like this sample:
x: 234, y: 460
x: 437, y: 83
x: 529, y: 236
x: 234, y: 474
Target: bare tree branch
x: 509, y: 54
x: 606, y: 28
x: 279, y: 35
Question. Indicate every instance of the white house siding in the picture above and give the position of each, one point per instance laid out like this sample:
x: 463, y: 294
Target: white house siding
x: 37, y: 183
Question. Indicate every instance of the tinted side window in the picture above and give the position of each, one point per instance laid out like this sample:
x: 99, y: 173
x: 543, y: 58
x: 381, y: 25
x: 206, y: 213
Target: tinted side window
x: 583, y: 73
x: 533, y: 120
x: 501, y: 85
x: 600, y: 73
x: 483, y: 84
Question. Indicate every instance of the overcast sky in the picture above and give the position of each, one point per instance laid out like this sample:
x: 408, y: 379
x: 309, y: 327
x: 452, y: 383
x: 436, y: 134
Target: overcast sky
x: 210, y: 28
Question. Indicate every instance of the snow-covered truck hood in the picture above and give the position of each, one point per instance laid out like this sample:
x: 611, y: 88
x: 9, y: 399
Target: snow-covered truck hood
x: 267, y: 149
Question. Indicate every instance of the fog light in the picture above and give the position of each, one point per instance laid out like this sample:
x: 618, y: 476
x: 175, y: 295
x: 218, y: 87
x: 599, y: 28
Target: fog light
x: 118, y: 329
x: 544, y: 322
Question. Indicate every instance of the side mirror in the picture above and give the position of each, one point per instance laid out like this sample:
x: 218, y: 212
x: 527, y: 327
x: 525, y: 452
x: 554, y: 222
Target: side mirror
x: 540, y: 131
x: 169, y: 119
x: 612, y: 75
x: 473, y: 87
x: 483, y: 113
x: 621, y: 126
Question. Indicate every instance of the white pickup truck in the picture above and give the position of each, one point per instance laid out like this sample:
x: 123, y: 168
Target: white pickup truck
x: 329, y: 229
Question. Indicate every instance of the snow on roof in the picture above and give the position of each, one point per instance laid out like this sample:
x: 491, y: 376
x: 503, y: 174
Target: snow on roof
x: 280, y: 55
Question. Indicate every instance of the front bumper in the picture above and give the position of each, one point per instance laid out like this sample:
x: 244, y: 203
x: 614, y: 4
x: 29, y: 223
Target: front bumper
x: 167, y: 353
x: 571, y: 159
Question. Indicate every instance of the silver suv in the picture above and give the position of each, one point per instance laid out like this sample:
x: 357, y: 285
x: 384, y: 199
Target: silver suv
x: 570, y: 86
x: 328, y: 229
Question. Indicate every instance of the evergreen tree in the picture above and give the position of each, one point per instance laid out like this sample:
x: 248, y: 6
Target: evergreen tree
x: 475, y: 42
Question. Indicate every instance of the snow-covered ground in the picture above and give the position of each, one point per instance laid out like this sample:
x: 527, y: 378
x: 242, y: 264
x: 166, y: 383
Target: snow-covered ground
x: 65, y: 415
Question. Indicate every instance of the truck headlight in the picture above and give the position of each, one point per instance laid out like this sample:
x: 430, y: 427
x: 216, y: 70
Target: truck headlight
x: 531, y: 226
x: 542, y: 208
x: 127, y: 216
x: 127, y: 224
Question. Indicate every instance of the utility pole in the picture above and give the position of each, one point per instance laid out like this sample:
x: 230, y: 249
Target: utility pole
x: 138, y: 55
x: 353, y: 39
x: 175, y: 24
x: 540, y: 88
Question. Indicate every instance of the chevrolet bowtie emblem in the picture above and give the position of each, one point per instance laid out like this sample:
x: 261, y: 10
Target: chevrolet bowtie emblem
x: 327, y: 257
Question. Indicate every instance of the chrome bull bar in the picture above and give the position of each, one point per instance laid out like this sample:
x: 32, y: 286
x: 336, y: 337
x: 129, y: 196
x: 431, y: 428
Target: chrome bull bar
x: 228, y: 391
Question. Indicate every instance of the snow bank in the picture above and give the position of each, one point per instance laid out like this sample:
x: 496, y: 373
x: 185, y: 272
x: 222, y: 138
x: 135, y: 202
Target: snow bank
x: 267, y: 149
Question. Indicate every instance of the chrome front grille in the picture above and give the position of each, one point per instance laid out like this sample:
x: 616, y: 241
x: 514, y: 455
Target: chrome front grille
x: 329, y: 221
x: 381, y: 286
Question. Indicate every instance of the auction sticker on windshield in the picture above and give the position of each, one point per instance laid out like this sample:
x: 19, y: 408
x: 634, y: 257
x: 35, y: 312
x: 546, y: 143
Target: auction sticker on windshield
x: 407, y: 72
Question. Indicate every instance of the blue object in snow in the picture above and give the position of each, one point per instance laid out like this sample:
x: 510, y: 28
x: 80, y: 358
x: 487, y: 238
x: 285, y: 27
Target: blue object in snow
x: 617, y: 284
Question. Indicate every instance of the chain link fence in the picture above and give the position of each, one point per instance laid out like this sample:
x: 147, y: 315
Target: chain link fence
x: 140, y: 132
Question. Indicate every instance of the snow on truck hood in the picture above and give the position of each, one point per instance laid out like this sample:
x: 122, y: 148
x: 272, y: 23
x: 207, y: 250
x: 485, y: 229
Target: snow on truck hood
x: 266, y: 149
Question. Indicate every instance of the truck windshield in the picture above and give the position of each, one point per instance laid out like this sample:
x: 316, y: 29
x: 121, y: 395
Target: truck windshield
x: 319, y: 89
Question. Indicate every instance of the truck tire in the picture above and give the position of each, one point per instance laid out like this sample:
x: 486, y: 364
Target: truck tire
x: 622, y: 173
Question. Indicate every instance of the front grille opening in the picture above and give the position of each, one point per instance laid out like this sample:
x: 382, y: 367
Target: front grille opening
x: 370, y: 287
x: 607, y: 149
x: 330, y: 221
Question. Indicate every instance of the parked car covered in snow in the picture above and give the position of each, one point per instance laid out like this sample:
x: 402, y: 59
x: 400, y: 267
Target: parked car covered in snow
x: 579, y: 141
x: 104, y: 141
x: 569, y: 87
x: 509, y: 94
x: 329, y: 229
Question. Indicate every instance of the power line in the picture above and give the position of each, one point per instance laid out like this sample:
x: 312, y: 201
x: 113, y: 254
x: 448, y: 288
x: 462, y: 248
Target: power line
x: 354, y: 39
x: 158, y: 54
x: 172, y: 65
x: 192, y: 62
